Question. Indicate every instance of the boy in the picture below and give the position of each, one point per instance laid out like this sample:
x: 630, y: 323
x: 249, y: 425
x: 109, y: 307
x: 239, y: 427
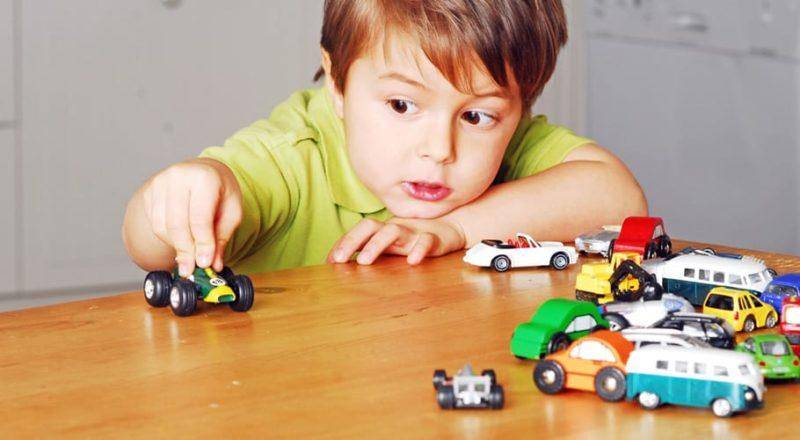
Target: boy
x: 420, y: 144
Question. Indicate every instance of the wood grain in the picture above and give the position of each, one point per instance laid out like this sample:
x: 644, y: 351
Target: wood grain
x: 326, y: 351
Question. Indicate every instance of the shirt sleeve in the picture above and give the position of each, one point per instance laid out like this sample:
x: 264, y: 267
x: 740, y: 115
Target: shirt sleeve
x: 535, y: 147
x: 266, y: 186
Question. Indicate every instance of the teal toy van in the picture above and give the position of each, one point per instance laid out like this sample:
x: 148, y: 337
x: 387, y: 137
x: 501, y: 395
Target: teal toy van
x: 725, y: 381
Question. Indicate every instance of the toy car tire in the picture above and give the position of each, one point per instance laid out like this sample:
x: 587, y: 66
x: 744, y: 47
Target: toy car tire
x: 501, y: 263
x: 610, y: 251
x: 226, y: 274
x: 156, y: 288
x: 559, y: 341
x: 721, y: 408
x: 652, y: 291
x: 771, y: 320
x: 649, y: 251
x: 649, y: 400
x: 609, y: 383
x: 183, y: 298
x: 749, y: 324
x: 491, y: 375
x: 243, y: 288
x: 549, y: 377
x: 496, y: 397
x: 665, y: 247
x: 446, y: 397
x: 439, y: 378
x: 559, y: 261
x: 616, y: 321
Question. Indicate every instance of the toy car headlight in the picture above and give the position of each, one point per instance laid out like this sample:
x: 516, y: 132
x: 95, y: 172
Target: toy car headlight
x: 749, y: 395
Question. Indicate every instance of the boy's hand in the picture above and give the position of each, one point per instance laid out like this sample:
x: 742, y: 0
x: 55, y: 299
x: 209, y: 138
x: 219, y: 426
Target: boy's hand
x: 416, y: 238
x: 194, y: 207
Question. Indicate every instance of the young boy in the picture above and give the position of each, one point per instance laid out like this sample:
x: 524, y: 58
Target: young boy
x: 419, y: 144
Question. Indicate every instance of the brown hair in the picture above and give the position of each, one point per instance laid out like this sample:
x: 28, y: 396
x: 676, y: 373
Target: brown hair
x: 523, y: 35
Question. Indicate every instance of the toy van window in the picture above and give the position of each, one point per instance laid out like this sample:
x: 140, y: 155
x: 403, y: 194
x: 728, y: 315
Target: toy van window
x: 688, y: 273
x: 681, y: 366
x: 719, y: 277
x: 719, y: 370
x: 662, y: 365
x: 699, y: 368
x: 702, y: 274
x: 755, y: 278
x: 722, y: 302
x: 479, y: 388
x: 462, y: 388
x: 735, y: 279
x: 743, y: 370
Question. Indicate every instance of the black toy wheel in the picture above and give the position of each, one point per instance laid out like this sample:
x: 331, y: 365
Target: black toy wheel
x: 559, y: 341
x: 226, y: 274
x: 243, y: 289
x: 609, y: 383
x: 560, y: 261
x: 616, y: 322
x: 649, y: 251
x: 439, y: 378
x: 610, y: 252
x: 549, y: 377
x: 496, y: 397
x: 501, y: 263
x: 156, y: 288
x: 665, y: 247
x: 446, y: 397
x: 491, y: 375
x: 652, y: 291
x: 183, y: 298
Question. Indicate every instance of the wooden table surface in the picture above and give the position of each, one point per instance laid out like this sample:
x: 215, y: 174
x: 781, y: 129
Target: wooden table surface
x: 326, y: 351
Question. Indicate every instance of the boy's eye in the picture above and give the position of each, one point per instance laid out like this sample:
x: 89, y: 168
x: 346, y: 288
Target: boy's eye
x: 403, y: 106
x: 477, y: 118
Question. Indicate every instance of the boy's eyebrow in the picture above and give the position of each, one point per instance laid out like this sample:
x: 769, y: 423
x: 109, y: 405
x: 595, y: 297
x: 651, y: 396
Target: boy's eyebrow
x: 496, y: 92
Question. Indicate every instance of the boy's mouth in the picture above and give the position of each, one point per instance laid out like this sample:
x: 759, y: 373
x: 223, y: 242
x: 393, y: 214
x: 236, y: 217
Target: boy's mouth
x: 428, y: 191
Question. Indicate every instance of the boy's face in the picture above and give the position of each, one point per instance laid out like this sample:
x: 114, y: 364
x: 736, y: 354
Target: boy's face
x: 420, y: 145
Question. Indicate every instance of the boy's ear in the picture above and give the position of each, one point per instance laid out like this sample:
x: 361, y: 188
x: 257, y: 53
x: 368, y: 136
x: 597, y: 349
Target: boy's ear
x: 336, y: 95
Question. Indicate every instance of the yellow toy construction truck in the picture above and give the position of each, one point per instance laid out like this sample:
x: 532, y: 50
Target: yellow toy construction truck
x: 620, y: 280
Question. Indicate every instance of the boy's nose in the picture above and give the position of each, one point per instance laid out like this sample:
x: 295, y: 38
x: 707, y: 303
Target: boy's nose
x: 440, y: 144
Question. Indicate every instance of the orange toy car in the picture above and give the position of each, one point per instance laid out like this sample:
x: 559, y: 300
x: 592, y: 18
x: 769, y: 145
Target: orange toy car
x: 592, y: 363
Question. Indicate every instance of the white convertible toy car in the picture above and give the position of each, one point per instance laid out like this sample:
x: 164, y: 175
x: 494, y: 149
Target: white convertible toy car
x: 523, y: 251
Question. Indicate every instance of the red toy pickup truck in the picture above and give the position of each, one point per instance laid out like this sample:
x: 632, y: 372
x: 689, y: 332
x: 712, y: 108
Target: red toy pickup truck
x: 643, y: 235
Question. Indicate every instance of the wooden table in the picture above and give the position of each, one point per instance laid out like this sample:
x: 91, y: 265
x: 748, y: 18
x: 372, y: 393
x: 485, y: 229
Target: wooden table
x: 327, y: 351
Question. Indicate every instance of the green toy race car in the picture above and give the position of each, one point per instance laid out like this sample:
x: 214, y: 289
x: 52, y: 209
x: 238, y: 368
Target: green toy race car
x: 773, y: 354
x: 162, y: 288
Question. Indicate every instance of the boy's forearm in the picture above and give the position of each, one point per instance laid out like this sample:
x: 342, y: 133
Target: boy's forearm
x: 557, y: 204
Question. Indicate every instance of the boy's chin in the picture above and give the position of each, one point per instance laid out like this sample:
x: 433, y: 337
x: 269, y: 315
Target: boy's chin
x: 419, y: 209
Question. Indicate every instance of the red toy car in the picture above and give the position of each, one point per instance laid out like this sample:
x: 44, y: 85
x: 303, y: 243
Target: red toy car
x: 790, y: 324
x: 643, y: 235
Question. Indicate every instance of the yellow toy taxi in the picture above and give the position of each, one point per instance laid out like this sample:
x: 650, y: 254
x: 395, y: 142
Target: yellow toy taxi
x: 743, y: 310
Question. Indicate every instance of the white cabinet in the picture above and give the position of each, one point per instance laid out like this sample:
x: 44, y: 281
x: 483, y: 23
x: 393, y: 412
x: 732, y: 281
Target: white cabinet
x: 6, y: 61
x: 114, y: 91
x: 8, y: 262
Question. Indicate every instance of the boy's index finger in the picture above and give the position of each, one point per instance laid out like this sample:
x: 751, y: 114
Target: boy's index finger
x: 203, y: 203
x: 354, y: 239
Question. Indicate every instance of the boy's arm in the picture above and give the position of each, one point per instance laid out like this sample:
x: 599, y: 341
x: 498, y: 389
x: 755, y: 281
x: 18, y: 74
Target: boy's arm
x: 590, y: 187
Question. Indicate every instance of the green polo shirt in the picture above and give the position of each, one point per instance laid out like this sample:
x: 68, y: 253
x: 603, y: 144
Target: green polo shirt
x: 300, y: 193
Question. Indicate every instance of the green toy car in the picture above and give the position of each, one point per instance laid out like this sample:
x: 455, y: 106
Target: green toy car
x: 162, y: 288
x: 556, y: 323
x: 773, y: 354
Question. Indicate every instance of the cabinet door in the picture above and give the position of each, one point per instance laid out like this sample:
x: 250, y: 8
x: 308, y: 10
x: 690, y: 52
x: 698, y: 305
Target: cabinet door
x: 6, y: 61
x: 8, y: 262
x: 114, y: 91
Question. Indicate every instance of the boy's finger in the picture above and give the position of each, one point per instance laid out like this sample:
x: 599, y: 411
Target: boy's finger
x: 385, y: 237
x: 354, y: 239
x: 229, y: 216
x: 178, y: 230
x: 202, y: 206
x: 421, y: 248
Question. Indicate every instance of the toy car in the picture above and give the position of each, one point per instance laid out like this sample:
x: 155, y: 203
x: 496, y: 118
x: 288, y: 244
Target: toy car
x: 724, y: 380
x: 620, y: 280
x: 624, y: 314
x: 715, y: 331
x: 773, y: 354
x: 592, y: 363
x: 163, y: 288
x: 740, y: 308
x: 521, y: 252
x: 555, y: 324
x: 693, y: 275
x: 790, y: 324
x: 781, y: 289
x: 466, y: 390
x: 597, y: 241
x: 643, y: 235
x: 642, y: 337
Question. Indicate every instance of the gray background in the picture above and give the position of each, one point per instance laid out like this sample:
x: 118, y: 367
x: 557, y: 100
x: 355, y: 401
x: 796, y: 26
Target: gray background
x: 698, y: 97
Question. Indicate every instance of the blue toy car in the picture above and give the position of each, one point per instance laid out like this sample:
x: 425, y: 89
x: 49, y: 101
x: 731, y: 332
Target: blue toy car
x: 780, y: 289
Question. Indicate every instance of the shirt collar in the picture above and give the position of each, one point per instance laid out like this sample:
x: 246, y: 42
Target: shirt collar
x: 345, y: 187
